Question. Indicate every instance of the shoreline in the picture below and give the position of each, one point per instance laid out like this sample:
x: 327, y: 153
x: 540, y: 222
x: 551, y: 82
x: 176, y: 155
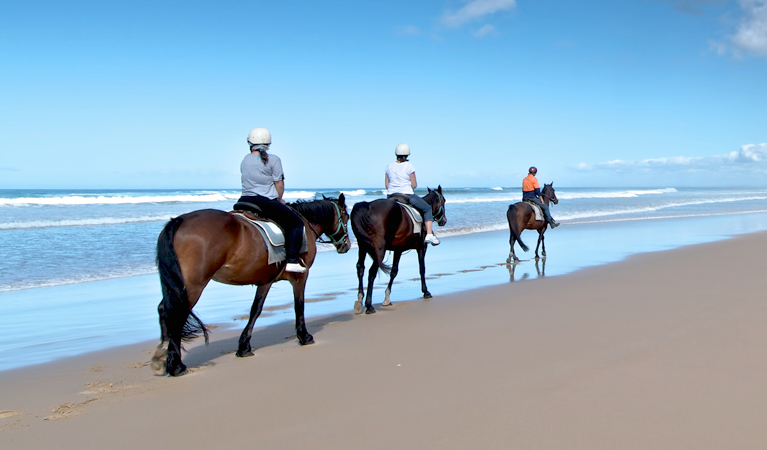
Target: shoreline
x: 660, y: 350
x: 124, y: 310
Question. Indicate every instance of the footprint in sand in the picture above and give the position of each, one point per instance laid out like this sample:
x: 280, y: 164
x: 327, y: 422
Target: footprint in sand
x: 7, y: 414
x: 68, y: 410
x: 102, y: 387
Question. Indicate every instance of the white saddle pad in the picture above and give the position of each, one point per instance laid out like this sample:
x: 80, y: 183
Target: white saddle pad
x: 415, y: 216
x: 273, y: 238
x: 537, y: 210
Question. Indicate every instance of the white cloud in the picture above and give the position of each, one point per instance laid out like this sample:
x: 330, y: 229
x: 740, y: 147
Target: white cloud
x: 751, y: 36
x: 484, y: 31
x: 751, y: 157
x: 408, y: 30
x: 476, y: 9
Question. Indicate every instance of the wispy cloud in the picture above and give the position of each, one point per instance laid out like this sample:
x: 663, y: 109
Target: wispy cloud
x: 751, y: 35
x: 484, y: 31
x: 751, y: 157
x: 475, y: 10
x: 408, y: 30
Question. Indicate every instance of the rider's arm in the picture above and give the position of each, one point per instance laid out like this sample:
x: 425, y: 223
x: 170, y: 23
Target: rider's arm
x: 413, y: 183
x: 280, y: 186
x: 386, y: 182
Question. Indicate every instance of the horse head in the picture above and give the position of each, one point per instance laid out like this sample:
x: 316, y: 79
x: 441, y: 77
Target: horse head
x: 340, y: 234
x: 437, y: 203
x: 548, y: 192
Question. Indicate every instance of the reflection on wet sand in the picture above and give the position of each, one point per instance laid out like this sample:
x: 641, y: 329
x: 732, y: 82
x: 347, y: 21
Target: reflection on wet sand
x: 540, y: 270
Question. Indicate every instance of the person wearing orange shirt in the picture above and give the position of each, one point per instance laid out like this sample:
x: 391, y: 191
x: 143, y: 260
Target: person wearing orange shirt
x: 531, y: 191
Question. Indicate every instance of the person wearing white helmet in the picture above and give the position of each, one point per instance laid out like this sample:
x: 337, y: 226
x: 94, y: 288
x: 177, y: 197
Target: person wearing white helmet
x: 400, y: 179
x: 263, y: 184
x: 531, y: 190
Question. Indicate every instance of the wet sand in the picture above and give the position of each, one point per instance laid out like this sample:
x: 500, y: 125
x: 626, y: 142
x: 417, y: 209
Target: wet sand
x: 664, y: 350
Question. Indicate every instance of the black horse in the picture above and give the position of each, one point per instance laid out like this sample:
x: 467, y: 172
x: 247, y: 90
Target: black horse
x: 209, y: 244
x: 383, y: 225
x: 522, y: 217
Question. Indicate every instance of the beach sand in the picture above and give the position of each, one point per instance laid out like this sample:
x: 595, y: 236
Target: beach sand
x: 664, y: 350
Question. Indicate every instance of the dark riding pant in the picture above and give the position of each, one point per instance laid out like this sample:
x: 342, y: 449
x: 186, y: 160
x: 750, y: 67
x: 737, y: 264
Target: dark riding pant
x: 419, y: 204
x: 545, y: 208
x: 286, y: 218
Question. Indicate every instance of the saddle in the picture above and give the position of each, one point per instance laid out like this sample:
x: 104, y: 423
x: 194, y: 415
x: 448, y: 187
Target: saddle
x: 415, y: 215
x: 536, y: 209
x: 274, y: 238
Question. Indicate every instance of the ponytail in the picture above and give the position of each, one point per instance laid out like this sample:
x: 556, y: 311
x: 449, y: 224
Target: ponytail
x: 261, y: 149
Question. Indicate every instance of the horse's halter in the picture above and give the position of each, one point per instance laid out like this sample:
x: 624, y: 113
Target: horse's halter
x: 340, y: 229
x: 548, y: 196
x: 440, y: 214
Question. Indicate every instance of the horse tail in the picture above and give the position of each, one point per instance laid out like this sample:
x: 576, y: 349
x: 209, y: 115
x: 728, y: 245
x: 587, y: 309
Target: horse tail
x: 365, y: 231
x: 511, y: 215
x: 175, y: 314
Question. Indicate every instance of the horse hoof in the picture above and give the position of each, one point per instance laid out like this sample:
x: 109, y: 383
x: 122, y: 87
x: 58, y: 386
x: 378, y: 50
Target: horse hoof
x: 244, y: 354
x: 370, y: 310
x: 386, y: 302
x: 178, y: 371
x: 426, y: 295
x: 309, y: 339
x: 357, y: 307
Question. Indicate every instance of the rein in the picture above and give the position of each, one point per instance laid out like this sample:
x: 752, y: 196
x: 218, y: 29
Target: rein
x: 340, y: 229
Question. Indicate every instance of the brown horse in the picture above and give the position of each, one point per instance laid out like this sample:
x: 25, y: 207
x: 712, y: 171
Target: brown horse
x: 383, y: 225
x: 209, y: 244
x: 522, y: 217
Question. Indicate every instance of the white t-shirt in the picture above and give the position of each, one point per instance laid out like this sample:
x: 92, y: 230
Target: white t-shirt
x: 399, y: 177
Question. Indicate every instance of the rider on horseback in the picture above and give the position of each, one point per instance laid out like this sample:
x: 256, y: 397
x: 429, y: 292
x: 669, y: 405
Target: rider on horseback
x: 263, y: 184
x: 531, y: 191
x: 400, y: 180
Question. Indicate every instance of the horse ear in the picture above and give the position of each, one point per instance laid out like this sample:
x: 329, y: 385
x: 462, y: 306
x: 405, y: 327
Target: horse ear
x: 323, y: 197
x: 439, y: 188
x: 341, y: 199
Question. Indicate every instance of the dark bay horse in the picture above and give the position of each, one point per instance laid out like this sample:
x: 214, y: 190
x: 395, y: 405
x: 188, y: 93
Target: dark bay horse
x: 383, y: 225
x: 522, y: 217
x: 209, y: 244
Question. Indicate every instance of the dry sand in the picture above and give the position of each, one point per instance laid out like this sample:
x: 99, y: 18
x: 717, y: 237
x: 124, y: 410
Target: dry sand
x: 662, y: 351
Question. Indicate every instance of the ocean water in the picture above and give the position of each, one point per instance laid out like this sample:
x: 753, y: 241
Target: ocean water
x: 77, y: 268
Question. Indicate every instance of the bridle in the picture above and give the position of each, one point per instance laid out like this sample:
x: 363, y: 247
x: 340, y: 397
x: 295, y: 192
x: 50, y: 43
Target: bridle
x: 340, y: 229
x: 546, y: 195
x: 440, y: 214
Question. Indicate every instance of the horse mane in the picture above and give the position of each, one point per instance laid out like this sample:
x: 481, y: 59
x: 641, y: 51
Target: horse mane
x: 315, y: 211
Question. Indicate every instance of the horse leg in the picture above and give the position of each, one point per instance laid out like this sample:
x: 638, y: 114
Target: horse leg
x: 360, y: 274
x: 541, y: 243
x: 371, y: 279
x: 393, y: 274
x: 540, y: 238
x: 512, y: 256
x: 422, y: 270
x: 244, y: 349
x: 299, y: 286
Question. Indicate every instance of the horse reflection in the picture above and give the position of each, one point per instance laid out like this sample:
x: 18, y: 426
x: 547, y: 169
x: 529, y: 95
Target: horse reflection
x: 540, y: 269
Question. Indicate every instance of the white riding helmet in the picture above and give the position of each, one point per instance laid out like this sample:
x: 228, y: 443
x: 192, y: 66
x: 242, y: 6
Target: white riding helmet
x: 402, y: 150
x: 259, y: 136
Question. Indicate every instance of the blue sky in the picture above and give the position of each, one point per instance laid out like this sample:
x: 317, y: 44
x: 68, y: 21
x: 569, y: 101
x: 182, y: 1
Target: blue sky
x: 657, y: 93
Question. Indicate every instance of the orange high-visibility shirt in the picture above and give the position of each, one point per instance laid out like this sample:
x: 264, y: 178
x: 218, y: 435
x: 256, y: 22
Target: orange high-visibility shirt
x: 530, y: 184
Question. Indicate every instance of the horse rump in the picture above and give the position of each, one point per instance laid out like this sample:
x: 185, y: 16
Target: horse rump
x: 174, y: 310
